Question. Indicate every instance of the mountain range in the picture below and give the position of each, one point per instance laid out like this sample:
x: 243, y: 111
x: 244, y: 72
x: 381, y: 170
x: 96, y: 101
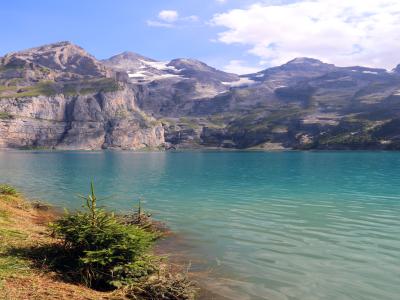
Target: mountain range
x: 58, y: 96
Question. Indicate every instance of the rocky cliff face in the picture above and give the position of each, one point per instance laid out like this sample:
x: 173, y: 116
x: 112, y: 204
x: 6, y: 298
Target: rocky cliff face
x: 95, y: 121
x: 58, y: 96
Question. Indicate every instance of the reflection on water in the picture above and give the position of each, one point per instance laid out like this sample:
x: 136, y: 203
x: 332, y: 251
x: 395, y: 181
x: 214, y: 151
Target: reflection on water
x: 290, y: 225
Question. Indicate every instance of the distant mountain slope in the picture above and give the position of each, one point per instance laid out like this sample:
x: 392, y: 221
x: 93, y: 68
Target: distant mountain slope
x: 59, y: 96
x: 169, y: 88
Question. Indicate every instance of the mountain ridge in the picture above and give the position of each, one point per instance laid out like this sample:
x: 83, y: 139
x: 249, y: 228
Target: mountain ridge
x: 130, y: 101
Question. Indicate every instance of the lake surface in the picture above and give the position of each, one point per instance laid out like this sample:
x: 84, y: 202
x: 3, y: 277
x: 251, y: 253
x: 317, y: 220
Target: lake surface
x: 279, y: 225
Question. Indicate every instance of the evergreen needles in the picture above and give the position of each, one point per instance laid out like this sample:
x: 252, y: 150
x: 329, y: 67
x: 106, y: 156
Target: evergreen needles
x: 105, y: 252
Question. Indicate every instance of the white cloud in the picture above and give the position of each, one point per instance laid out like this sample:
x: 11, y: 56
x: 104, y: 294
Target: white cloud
x: 170, y: 19
x: 351, y: 32
x: 221, y: 1
x: 238, y: 67
x: 168, y: 15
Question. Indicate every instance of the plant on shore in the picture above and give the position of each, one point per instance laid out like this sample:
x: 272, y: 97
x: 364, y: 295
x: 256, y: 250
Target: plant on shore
x: 169, y: 287
x: 6, y: 189
x: 106, y: 253
x: 143, y: 219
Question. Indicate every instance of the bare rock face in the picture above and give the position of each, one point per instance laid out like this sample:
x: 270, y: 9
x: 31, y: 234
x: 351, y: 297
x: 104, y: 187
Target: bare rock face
x: 110, y: 120
x: 58, y: 57
x: 90, y: 122
x: 26, y: 133
x: 123, y: 137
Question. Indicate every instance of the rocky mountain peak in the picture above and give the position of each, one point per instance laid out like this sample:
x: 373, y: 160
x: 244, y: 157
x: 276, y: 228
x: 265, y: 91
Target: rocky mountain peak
x: 184, y: 63
x: 134, y: 63
x: 305, y: 61
x: 59, y: 57
x: 397, y: 69
x: 305, y: 64
x: 128, y: 56
x: 192, y: 67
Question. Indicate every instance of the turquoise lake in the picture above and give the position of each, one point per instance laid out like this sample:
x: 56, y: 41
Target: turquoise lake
x: 265, y: 225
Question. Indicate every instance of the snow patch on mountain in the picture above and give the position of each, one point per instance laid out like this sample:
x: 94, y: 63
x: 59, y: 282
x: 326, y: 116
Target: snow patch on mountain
x: 243, y: 81
x: 159, y: 65
x: 370, y: 72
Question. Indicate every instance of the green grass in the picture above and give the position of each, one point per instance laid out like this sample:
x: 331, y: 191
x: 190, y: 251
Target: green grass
x: 217, y: 121
x: 258, y: 121
x: 11, y: 265
x: 70, y: 89
x: 103, y: 85
x: 121, y: 114
x: 7, y: 88
x: 348, y: 139
x: 49, y: 88
x: 90, y: 87
x: 4, y: 216
x: 191, y: 123
x: 45, y: 88
x: 5, y: 116
x: 14, y: 234
x: 6, y: 189
x: 45, y: 70
x: 5, y: 68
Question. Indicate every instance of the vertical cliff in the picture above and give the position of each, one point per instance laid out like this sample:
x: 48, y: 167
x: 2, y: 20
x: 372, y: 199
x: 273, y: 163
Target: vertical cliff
x: 94, y: 121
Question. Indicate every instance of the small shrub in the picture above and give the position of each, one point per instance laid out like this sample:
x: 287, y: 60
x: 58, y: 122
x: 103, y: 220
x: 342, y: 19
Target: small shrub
x: 144, y: 220
x: 8, y: 190
x: 170, y: 287
x: 105, y: 252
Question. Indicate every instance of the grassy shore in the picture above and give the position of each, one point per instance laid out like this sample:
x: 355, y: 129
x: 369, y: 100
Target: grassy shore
x: 28, y: 272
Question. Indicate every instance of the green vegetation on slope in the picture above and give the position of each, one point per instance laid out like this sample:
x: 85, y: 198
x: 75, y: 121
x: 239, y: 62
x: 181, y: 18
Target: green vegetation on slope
x: 45, y: 88
x: 49, y: 88
x: 6, y: 189
x: 84, y: 87
x: 5, y: 115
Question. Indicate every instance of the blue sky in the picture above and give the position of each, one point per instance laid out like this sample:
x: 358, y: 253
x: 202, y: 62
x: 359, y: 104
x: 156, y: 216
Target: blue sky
x: 105, y: 27
x: 235, y: 35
